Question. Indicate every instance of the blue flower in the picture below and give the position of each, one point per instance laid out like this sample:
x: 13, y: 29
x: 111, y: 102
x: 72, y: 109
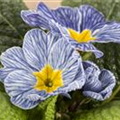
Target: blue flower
x: 83, y: 25
x: 99, y: 83
x: 45, y: 66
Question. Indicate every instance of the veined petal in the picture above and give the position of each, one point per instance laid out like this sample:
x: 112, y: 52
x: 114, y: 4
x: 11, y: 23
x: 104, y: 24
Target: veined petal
x: 24, y: 103
x: 77, y: 83
x: 107, y: 84
x: 105, y: 75
x: 4, y: 73
x: 79, y: 79
x: 91, y: 18
x: 99, y: 83
x: 36, y: 47
x: 14, y: 58
x: 92, y: 77
x: 45, y: 10
x: 34, y: 18
x: 98, y: 96
x: 20, y: 87
x: 93, y: 95
x: 57, y: 28
x: 88, y: 47
x: 29, y: 99
x: 66, y: 16
x: 108, y: 33
x: 80, y: 76
x: 88, y: 64
x: 64, y: 57
x: 19, y: 81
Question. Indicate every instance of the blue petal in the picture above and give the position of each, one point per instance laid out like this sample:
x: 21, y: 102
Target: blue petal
x: 88, y: 47
x: 4, y: 73
x: 18, y: 82
x: 92, y: 77
x: 36, y: 47
x: 20, y: 87
x: 108, y: 81
x: 99, y: 84
x: 62, y: 31
x: 66, y: 16
x: 88, y: 64
x: 80, y: 75
x: 57, y: 28
x: 29, y: 99
x: 64, y: 57
x: 75, y: 78
x: 35, y: 19
x: 94, y: 95
x: 105, y: 75
x: 91, y: 18
x: 108, y: 33
x: 14, y: 58
x: 77, y: 83
x: 23, y: 102
x: 45, y: 10
x: 90, y: 69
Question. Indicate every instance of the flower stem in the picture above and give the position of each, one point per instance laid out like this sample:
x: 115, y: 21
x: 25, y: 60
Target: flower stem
x: 111, y: 11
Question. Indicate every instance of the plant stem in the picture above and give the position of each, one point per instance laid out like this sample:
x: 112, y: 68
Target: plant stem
x: 111, y: 11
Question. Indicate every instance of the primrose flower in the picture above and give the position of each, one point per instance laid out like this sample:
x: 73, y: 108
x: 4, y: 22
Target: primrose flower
x: 83, y: 25
x: 45, y: 66
x: 99, y: 83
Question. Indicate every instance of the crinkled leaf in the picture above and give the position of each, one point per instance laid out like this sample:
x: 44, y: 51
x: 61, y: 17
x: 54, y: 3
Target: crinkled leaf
x: 12, y: 27
x: 110, y: 111
x: 45, y: 111
x: 9, y: 111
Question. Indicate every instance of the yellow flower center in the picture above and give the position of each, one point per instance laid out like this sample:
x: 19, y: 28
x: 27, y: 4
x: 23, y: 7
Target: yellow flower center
x: 48, y: 79
x: 84, y: 36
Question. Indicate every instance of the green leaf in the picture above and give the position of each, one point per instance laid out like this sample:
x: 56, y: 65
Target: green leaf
x: 45, y: 111
x: 110, y: 111
x: 9, y: 111
x: 12, y: 27
x: 2, y: 89
x: 50, y: 110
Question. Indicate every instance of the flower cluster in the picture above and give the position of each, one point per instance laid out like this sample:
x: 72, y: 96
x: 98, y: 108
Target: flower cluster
x: 49, y: 63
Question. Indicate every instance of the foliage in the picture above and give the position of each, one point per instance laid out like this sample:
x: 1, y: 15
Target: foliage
x: 12, y: 28
x: 110, y: 111
x: 45, y: 111
x: 9, y: 111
